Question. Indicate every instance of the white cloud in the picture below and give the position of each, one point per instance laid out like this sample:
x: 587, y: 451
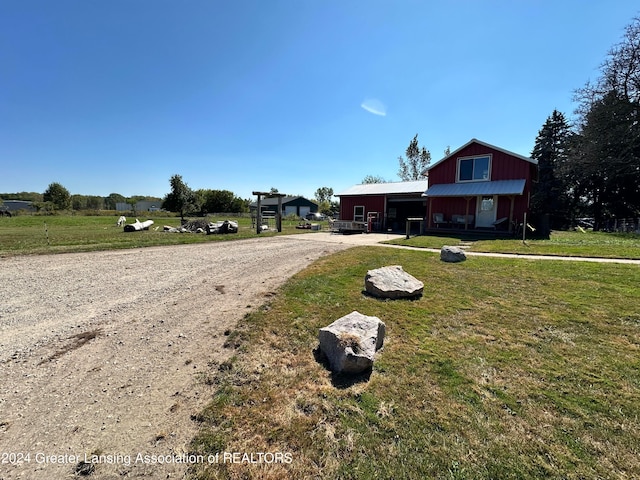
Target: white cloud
x: 375, y: 106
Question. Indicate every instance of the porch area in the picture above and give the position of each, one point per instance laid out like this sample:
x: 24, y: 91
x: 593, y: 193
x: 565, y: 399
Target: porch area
x: 493, y: 207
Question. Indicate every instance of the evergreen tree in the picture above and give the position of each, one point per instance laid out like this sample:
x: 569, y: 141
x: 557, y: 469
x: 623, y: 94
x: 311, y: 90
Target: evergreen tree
x: 608, y: 160
x: 549, y: 193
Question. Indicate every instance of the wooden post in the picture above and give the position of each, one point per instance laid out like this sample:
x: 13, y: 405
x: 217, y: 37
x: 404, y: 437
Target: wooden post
x: 430, y: 216
x: 259, y: 213
x: 513, y: 200
x: 466, y: 213
x: 409, y: 221
x: 279, y: 215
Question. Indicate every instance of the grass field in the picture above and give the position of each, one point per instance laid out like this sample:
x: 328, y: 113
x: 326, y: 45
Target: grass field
x: 587, y: 244
x: 28, y: 234
x: 503, y: 369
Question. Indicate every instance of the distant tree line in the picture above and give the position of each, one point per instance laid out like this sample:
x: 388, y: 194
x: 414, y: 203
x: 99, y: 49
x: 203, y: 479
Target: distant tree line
x: 181, y: 199
x: 185, y: 201
x: 57, y: 198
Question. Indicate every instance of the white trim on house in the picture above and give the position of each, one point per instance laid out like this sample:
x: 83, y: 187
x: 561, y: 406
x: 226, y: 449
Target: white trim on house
x: 388, y: 188
x: 484, y: 144
x: 474, y: 174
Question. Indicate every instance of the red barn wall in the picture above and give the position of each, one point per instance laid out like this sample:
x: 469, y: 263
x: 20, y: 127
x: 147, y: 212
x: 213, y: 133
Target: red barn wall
x: 503, y: 166
x: 372, y: 203
x: 452, y: 206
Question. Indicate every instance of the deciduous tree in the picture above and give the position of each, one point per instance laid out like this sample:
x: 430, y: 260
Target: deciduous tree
x: 181, y: 199
x: 112, y: 199
x: 373, y: 179
x: 606, y: 160
x: 323, y: 196
x: 57, y: 196
x: 220, y: 201
x: 418, y: 159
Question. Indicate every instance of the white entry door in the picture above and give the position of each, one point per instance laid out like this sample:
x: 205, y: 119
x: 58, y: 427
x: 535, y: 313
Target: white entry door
x: 486, y: 211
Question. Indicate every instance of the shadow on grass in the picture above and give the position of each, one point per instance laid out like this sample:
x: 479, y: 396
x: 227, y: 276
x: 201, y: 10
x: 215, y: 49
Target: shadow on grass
x: 341, y: 380
x: 410, y: 298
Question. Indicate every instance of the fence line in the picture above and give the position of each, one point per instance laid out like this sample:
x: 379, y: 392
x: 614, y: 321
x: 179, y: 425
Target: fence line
x: 623, y: 225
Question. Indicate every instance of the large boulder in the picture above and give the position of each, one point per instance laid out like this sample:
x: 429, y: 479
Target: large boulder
x: 350, y: 343
x: 452, y: 254
x: 392, y: 282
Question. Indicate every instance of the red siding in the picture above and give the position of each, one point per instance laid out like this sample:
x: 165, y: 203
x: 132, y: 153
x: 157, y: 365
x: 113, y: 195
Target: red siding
x: 372, y: 203
x: 457, y: 206
x: 452, y: 206
x: 503, y: 166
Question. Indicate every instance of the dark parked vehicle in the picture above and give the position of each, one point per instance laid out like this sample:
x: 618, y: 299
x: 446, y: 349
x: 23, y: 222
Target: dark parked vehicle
x: 315, y: 216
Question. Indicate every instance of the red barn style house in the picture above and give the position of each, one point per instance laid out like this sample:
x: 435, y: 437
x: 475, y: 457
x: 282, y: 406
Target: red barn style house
x: 479, y: 186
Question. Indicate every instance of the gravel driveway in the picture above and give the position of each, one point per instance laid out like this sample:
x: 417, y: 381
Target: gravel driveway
x: 107, y: 353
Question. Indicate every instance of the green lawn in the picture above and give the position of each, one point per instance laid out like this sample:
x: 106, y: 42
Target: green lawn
x: 27, y: 234
x: 504, y: 368
x: 587, y: 244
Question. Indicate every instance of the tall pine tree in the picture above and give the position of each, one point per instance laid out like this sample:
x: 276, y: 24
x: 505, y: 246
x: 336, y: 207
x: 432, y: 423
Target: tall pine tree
x: 549, y: 203
x: 609, y: 158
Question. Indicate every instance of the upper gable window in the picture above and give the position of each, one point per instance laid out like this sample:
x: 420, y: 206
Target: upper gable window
x: 474, y: 169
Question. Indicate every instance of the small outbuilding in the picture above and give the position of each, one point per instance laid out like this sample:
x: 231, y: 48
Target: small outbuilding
x: 17, y: 205
x: 291, y: 205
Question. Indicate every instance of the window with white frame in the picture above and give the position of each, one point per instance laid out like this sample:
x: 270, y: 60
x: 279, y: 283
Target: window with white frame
x: 474, y: 169
x: 358, y: 213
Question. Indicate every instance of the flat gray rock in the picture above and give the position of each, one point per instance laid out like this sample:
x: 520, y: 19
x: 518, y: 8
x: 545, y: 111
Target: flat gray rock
x: 392, y: 282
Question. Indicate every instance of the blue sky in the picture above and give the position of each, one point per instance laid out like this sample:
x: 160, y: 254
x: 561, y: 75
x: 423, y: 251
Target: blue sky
x: 118, y: 95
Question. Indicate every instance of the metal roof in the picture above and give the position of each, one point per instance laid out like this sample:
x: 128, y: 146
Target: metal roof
x: 470, y: 189
x: 389, y: 188
x: 285, y: 199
